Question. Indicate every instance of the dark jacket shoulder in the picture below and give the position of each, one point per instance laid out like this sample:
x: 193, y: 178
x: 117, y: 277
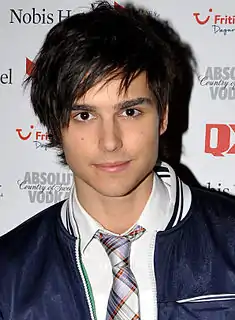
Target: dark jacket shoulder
x: 217, y: 204
x: 212, y: 218
x: 17, y: 243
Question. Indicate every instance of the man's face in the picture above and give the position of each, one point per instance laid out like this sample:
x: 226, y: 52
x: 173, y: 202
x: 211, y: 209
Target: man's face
x: 111, y: 144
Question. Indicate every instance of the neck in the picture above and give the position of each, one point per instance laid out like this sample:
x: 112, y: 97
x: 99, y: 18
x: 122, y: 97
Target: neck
x: 116, y: 214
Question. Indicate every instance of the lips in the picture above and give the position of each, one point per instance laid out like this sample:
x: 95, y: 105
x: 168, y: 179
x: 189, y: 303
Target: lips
x: 112, y: 164
x: 116, y: 166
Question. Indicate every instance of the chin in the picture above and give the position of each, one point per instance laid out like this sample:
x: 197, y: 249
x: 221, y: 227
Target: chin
x: 117, y: 189
x: 114, y: 193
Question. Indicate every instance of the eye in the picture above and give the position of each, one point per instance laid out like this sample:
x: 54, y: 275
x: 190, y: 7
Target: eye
x: 131, y: 112
x: 84, y: 116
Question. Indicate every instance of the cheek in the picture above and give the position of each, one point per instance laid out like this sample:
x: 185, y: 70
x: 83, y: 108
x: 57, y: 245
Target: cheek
x: 75, y: 135
x: 148, y: 135
x: 75, y: 144
x: 149, y: 147
x: 72, y: 142
x: 148, y: 140
x: 144, y: 144
x: 79, y: 146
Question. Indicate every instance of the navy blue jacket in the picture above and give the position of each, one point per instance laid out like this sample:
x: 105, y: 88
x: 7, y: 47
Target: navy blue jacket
x: 194, y: 267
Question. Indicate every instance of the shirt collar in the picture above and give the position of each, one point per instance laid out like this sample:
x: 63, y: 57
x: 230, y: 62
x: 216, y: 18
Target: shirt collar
x: 155, y: 216
x: 88, y: 226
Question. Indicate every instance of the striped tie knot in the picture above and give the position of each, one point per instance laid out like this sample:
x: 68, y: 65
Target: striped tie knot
x: 118, y: 247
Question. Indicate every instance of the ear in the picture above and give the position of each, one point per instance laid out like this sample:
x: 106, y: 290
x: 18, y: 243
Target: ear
x: 164, y: 122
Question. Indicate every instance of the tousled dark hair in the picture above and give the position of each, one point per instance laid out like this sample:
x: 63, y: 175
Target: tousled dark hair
x: 104, y: 43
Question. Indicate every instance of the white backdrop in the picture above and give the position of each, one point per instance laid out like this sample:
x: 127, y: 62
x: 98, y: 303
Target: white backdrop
x: 30, y: 177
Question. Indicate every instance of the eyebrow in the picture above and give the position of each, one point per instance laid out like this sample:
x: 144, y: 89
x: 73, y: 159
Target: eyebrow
x: 121, y: 105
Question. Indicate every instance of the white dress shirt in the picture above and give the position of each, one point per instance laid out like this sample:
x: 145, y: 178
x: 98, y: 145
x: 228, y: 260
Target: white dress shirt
x: 155, y: 217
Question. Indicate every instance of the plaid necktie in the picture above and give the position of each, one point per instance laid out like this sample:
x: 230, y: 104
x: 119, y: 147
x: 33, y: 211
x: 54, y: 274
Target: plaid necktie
x: 123, y: 303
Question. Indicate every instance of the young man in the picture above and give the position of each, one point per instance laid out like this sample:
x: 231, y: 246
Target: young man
x: 129, y: 243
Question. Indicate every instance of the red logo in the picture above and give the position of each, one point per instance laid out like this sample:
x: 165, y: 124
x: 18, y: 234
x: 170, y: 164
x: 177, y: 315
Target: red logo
x: 197, y: 14
x: 38, y: 135
x: 217, y: 19
x: 23, y: 136
x: 218, y: 139
x: 40, y: 139
x: 29, y: 66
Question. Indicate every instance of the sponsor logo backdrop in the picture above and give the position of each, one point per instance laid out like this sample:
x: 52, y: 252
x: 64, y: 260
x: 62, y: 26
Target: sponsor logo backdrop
x: 31, y: 178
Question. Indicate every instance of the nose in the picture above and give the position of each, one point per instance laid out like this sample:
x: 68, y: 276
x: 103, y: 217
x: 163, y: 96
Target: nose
x: 110, y: 135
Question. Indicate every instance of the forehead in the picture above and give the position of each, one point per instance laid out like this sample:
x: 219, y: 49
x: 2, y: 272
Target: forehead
x: 110, y: 90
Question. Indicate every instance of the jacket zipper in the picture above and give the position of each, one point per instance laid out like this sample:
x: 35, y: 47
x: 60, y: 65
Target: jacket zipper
x: 153, y: 280
x: 85, y: 280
